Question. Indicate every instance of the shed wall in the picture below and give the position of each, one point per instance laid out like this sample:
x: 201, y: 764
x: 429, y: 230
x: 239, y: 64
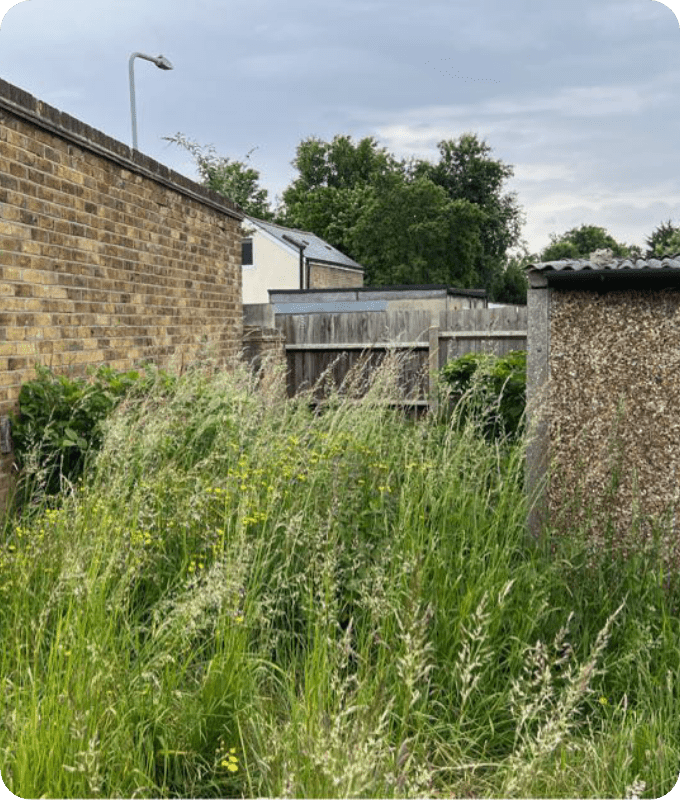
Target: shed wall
x: 614, y: 397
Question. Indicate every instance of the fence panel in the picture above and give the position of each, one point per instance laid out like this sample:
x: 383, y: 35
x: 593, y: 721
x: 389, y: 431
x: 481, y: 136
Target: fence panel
x: 325, y: 347
x: 330, y: 345
x: 457, y: 329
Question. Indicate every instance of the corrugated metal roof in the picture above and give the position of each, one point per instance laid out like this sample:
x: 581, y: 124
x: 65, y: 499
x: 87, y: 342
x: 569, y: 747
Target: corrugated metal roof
x: 316, y: 249
x: 616, y: 264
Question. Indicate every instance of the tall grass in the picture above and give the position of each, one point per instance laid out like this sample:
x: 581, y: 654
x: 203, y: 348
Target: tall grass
x: 251, y: 597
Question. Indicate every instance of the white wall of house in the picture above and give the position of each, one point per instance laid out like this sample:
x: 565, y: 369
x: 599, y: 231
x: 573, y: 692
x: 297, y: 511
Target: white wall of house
x: 272, y: 268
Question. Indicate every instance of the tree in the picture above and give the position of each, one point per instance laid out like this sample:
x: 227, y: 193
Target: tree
x: 511, y: 284
x: 411, y: 232
x: 581, y: 242
x: 409, y: 222
x: 664, y: 240
x: 672, y: 246
x: 336, y: 181
x: 340, y: 164
x: 234, y: 180
x: 467, y: 171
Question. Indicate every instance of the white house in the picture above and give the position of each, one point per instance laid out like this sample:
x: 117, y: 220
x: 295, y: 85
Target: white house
x: 274, y: 257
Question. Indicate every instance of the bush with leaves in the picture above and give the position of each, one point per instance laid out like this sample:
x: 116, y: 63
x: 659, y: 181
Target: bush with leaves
x: 490, y: 389
x: 60, y: 422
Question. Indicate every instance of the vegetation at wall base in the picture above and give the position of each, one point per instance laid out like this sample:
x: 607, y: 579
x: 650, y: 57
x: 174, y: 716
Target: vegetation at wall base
x: 249, y: 598
x: 59, y: 423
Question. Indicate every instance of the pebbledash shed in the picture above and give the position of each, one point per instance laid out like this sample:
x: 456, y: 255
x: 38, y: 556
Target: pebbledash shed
x: 603, y: 397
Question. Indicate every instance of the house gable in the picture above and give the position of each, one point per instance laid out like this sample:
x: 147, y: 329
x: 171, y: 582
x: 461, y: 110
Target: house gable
x: 276, y: 262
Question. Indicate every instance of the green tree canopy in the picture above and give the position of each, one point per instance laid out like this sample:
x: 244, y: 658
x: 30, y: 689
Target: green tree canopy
x: 412, y: 232
x: 511, y: 284
x: 671, y: 247
x: 581, y: 242
x: 664, y: 240
x: 467, y: 171
x: 233, y: 179
x: 336, y: 182
x: 339, y: 164
x: 408, y: 222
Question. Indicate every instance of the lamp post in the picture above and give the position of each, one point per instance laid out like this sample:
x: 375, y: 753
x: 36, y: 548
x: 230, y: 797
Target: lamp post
x: 162, y: 63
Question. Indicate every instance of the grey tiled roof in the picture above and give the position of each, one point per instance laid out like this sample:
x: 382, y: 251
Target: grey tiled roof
x: 316, y: 249
x: 616, y: 264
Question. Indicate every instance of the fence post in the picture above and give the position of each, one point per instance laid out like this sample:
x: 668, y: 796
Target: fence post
x: 433, y: 366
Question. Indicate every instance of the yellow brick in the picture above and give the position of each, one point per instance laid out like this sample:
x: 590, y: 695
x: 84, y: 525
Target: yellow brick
x: 87, y: 356
x: 14, y: 334
x: 10, y: 378
x: 34, y: 333
x: 56, y: 292
x: 22, y: 304
x: 24, y: 348
x: 15, y: 138
x: 69, y: 174
x: 52, y: 332
x: 13, y: 392
x: 16, y: 231
x: 31, y: 247
x: 34, y: 276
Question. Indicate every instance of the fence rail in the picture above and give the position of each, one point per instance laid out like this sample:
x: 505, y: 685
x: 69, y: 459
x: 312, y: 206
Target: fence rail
x: 482, y: 334
x: 358, y: 346
x: 330, y: 345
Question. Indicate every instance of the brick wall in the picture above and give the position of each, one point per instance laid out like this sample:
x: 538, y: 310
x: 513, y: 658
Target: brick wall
x: 323, y: 276
x: 106, y: 256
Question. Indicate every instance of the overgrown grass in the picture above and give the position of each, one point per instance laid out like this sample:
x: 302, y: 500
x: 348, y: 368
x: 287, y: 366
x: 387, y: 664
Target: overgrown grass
x: 250, y: 598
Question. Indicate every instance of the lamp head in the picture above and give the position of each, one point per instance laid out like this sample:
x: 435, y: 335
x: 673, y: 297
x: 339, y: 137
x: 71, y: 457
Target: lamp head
x: 162, y: 62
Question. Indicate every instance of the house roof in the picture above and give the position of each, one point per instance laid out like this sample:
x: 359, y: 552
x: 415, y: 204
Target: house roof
x: 316, y: 249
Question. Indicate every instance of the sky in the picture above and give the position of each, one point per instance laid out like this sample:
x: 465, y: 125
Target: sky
x: 581, y: 97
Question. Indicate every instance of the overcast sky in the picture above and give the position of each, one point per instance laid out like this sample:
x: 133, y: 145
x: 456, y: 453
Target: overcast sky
x: 582, y: 97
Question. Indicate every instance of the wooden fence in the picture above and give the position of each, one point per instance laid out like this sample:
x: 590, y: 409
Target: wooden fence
x: 323, y: 348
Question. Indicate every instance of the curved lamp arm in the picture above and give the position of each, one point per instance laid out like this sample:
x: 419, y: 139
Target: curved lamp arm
x: 162, y: 63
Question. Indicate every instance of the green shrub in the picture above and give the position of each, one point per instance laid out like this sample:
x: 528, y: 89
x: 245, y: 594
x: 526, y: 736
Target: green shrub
x: 60, y: 422
x: 490, y: 389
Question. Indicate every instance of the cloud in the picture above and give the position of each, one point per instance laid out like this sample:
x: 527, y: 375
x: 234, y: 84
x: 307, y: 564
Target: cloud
x: 541, y: 172
x: 616, y: 16
x: 629, y: 215
x: 574, y: 162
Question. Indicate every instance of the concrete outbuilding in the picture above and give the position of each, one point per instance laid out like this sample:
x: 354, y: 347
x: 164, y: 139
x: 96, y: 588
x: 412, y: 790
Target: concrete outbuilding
x: 603, y: 393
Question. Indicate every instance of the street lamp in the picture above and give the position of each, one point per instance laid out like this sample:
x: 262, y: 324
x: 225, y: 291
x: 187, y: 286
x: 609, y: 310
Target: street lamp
x: 162, y: 63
